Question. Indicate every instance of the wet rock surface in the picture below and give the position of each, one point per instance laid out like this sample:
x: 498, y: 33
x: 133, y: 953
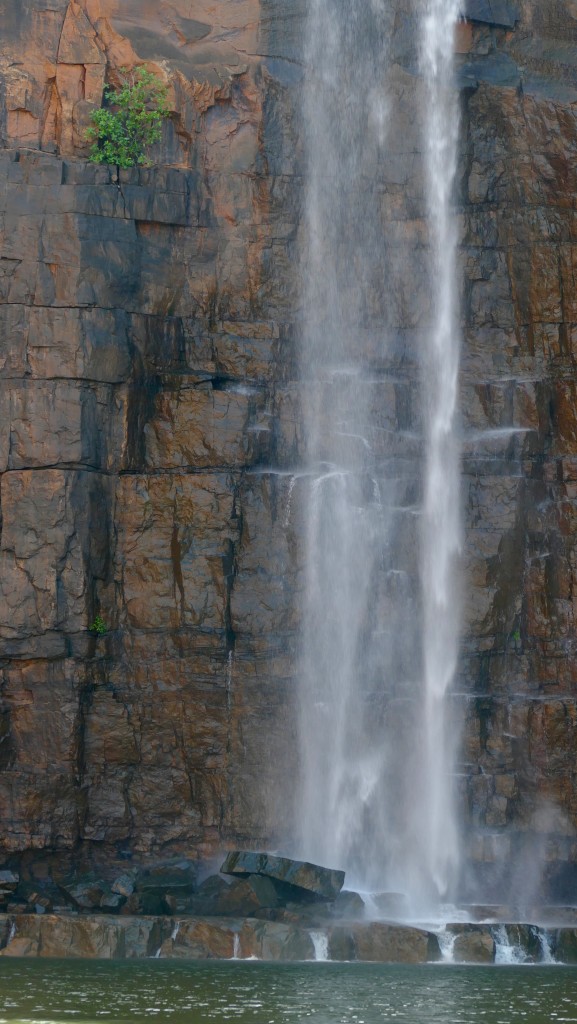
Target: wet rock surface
x: 150, y: 432
x: 84, y: 934
x: 474, y: 945
x: 386, y: 943
x: 215, y: 938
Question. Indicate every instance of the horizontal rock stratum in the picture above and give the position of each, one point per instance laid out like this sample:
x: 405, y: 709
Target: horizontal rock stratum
x: 192, y: 938
x: 195, y: 938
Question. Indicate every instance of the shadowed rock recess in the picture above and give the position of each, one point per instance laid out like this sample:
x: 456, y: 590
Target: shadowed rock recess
x: 150, y: 430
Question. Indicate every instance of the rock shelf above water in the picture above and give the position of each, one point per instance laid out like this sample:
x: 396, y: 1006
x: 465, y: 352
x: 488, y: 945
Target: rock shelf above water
x: 108, y: 937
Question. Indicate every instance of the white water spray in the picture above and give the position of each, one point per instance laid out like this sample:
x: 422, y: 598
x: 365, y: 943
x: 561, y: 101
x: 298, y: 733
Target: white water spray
x: 351, y: 624
x: 441, y: 527
x: 545, y: 939
x: 447, y: 945
x: 320, y: 942
x: 507, y: 952
x: 376, y: 751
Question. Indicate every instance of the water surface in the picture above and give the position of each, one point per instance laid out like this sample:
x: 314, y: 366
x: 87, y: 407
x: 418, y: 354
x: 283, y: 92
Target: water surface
x: 253, y: 993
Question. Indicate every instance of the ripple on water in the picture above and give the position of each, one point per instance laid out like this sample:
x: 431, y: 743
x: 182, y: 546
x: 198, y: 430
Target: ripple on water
x: 51, y: 992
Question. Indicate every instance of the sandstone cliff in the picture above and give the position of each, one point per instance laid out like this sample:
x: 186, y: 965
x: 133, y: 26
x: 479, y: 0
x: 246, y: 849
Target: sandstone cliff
x: 146, y: 380
x: 150, y: 428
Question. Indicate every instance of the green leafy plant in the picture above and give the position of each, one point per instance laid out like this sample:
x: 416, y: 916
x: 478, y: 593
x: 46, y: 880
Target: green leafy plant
x: 98, y: 626
x: 130, y: 121
x: 517, y: 636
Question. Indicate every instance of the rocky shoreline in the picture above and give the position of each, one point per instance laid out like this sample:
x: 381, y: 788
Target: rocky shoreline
x: 258, y: 907
x: 112, y: 937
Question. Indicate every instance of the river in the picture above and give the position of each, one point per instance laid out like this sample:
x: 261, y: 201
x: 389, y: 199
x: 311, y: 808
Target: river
x: 52, y: 992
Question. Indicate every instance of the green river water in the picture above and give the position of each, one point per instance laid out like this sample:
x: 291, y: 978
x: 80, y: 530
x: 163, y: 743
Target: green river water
x: 254, y: 993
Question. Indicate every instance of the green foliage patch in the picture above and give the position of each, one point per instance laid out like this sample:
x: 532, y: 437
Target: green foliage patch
x: 131, y: 121
x: 98, y: 626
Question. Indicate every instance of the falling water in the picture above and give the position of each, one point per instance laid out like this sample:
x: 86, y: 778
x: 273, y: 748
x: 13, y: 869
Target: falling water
x: 441, y: 528
x: 374, y: 622
x: 320, y: 942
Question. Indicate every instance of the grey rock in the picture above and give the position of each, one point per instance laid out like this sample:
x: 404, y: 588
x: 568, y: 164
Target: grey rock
x: 85, y: 892
x: 123, y: 885
x: 349, y: 905
x: 324, y: 883
x: 269, y: 940
x: 492, y: 12
x: 496, y: 69
x: 9, y: 880
x: 176, y: 878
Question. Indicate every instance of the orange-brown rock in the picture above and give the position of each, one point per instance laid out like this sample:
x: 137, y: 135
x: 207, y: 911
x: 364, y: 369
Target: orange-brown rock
x: 150, y: 429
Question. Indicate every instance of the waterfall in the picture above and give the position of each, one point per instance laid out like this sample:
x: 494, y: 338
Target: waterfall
x: 320, y: 942
x: 441, y: 527
x: 379, y: 634
x: 545, y: 940
x: 507, y: 952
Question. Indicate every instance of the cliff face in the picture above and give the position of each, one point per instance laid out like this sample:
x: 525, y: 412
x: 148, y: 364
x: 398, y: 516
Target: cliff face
x: 150, y: 422
x: 519, y: 188
x: 146, y: 365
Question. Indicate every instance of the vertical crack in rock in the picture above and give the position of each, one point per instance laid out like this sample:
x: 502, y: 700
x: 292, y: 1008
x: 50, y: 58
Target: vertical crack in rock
x: 175, y: 554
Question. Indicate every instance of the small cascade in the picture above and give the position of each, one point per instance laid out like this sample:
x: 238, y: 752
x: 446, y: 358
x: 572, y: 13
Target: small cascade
x: 545, y: 940
x: 507, y: 952
x: 158, y: 952
x: 288, y: 509
x: 12, y: 932
x: 321, y: 943
x: 447, y: 945
x: 236, y: 947
x: 175, y: 931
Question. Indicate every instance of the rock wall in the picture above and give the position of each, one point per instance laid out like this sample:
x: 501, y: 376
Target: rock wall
x: 519, y: 186
x: 146, y: 357
x: 150, y: 427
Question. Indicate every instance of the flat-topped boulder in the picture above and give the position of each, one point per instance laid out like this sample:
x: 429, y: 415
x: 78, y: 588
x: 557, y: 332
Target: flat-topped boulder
x: 375, y: 942
x: 474, y: 946
x: 501, y: 13
x: 322, y: 883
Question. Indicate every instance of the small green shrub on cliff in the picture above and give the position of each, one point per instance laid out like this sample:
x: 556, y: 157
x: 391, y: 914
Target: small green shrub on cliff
x: 98, y: 626
x: 130, y: 122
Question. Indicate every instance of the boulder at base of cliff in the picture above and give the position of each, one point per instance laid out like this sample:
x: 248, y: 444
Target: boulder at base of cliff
x: 393, y: 944
x: 200, y: 940
x: 268, y: 940
x: 83, y: 891
x: 565, y: 945
x: 246, y: 896
x: 474, y: 946
x: 21, y: 946
x: 313, y: 880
